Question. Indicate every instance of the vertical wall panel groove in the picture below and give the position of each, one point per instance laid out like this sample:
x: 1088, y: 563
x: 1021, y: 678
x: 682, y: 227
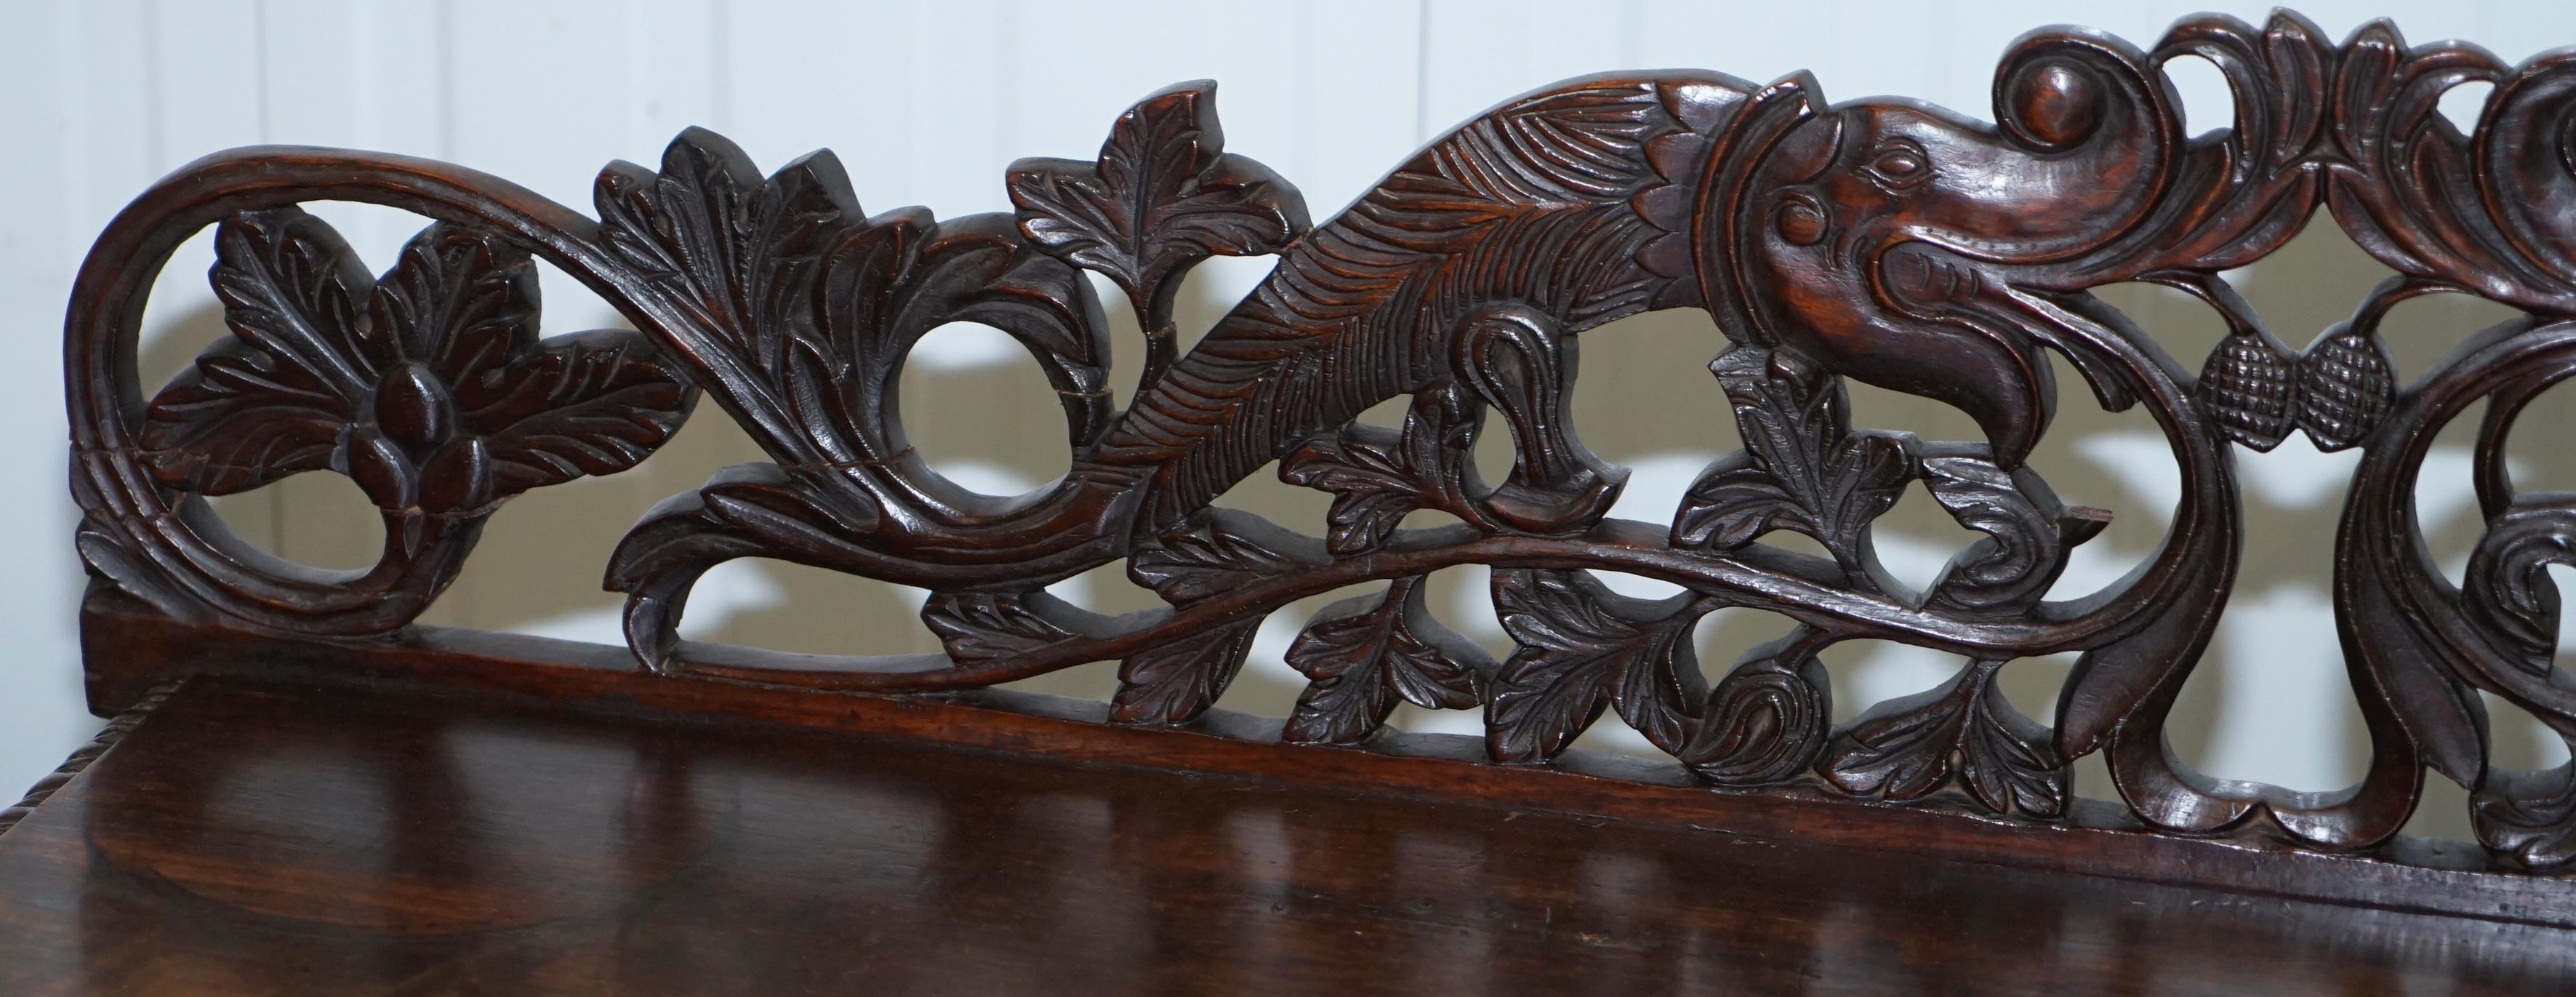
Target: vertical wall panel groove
x: 45, y: 221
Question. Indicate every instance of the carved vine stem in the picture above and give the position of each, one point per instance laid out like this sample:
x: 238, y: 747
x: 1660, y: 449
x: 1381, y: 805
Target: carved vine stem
x: 1887, y: 242
x: 166, y: 546
x: 1795, y: 583
x: 2426, y: 646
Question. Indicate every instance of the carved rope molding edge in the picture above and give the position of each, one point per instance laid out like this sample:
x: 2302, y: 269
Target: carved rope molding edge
x: 82, y: 757
x: 1897, y: 244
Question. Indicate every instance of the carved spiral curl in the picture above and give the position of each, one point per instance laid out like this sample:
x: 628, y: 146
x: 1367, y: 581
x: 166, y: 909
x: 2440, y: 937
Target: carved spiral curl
x: 1829, y: 241
x: 2426, y: 647
x: 167, y: 546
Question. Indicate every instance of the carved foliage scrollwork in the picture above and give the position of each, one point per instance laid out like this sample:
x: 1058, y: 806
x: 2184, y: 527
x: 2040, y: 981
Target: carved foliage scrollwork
x: 1887, y: 242
x: 1368, y: 653
x: 1163, y: 195
x: 1176, y: 681
x: 1961, y: 731
x: 1378, y: 476
x: 1584, y: 648
x: 1803, y: 467
x: 802, y: 309
x: 428, y: 387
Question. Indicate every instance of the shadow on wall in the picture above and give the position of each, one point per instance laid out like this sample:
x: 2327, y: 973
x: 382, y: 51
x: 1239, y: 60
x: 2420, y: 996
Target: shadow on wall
x: 2270, y: 702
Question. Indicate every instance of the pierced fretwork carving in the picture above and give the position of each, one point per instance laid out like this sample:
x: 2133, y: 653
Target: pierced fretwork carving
x: 1884, y: 241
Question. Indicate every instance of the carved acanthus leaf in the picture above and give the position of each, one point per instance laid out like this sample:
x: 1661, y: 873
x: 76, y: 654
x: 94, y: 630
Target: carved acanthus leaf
x: 430, y: 388
x: 272, y: 400
x: 1163, y: 194
x: 1963, y: 731
x: 2427, y: 200
x: 1582, y: 649
x: 588, y: 403
x: 800, y: 309
x: 1802, y: 469
x: 1218, y: 551
x: 738, y: 254
x: 1173, y: 683
x: 2241, y: 193
x: 1378, y: 475
x: 1366, y: 654
x: 984, y: 626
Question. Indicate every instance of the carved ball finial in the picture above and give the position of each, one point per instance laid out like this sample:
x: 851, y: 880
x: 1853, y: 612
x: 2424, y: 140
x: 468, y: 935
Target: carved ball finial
x: 2055, y: 103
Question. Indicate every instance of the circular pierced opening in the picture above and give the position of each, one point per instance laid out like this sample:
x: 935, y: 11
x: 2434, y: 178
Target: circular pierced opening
x: 980, y: 411
x: 2207, y: 101
x: 2465, y: 103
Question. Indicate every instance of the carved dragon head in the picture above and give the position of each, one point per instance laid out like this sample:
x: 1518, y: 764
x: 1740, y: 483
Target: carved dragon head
x: 1883, y: 238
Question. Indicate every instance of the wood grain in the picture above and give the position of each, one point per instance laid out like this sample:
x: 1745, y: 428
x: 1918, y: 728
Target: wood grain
x: 255, y: 840
x: 1879, y: 241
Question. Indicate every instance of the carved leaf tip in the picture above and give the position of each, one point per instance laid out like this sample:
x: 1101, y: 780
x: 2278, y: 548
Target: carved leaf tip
x: 1218, y: 552
x: 1960, y: 734
x: 1367, y: 654
x: 429, y: 387
x: 986, y: 626
x: 1803, y: 467
x: 1175, y: 683
x: 1583, y: 649
x: 1161, y: 196
x: 1378, y: 476
x: 732, y: 251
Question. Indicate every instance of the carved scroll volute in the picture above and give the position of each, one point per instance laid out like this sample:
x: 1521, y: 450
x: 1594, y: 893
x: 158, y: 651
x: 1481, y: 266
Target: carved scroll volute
x: 2425, y: 649
x: 1876, y: 238
x: 1885, y: 241
x: 2489, y: 212
x: 429, y: 388
x: 802, y: 312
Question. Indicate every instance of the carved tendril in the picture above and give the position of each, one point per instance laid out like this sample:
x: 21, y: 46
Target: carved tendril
x: 1830, y: 241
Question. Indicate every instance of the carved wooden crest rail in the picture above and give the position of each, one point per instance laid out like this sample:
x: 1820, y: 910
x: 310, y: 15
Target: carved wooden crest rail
x: 1883, y: 241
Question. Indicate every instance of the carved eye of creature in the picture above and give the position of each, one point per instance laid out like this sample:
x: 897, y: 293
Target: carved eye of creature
x: 1801, y: 220
x: 1899, y: 165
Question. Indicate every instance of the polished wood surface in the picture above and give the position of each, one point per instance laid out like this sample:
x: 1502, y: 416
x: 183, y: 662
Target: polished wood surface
x: 478, y: 812
x: 1878, y: 240
x: 2094, y: 838
x: 251, y: 840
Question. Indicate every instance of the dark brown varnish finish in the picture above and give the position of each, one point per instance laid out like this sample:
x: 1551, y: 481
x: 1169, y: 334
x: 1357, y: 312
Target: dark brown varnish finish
x: 1884, y: 241
x: 249, y: 840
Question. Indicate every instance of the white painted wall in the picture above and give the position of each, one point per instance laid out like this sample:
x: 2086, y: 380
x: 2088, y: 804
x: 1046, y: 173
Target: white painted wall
x: 926, y: 102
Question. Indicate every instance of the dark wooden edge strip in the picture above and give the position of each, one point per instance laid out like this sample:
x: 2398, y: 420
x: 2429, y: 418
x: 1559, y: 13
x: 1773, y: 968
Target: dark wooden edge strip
x: 133, y: 648
x: 79, y: 761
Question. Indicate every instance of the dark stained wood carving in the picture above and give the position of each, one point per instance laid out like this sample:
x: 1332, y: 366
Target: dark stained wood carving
x: 1884, y: 241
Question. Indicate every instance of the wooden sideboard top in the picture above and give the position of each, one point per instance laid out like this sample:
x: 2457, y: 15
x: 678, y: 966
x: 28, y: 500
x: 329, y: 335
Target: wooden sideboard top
x: 249, y: 839
x: 455, y: 810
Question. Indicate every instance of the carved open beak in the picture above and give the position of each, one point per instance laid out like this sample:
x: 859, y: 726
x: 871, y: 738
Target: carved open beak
x: 1885, y: 240
x: 1969, y: 353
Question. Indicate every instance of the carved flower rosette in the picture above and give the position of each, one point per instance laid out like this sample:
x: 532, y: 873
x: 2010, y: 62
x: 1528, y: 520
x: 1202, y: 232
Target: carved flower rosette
x: 1886, y: 242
